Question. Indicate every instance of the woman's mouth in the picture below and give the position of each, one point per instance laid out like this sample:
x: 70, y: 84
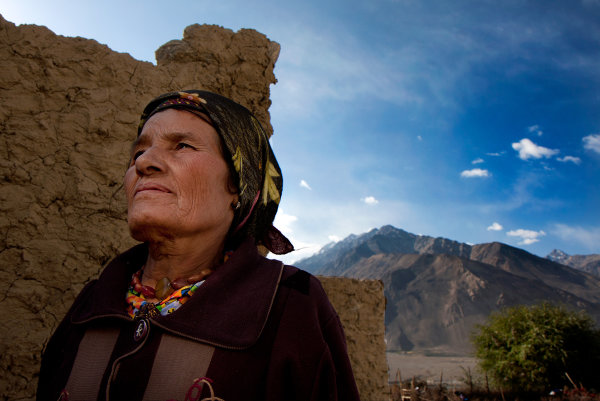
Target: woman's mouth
x: 151, y: 187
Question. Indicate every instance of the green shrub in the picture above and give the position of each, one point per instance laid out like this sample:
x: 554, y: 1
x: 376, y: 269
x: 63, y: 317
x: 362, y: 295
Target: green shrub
x: 530, y: 348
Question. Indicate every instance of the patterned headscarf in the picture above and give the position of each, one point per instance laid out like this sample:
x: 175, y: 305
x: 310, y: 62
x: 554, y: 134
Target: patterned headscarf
x: 250, y: 160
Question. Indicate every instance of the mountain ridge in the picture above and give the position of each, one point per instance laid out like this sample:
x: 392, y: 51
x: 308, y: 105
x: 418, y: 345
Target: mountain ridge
x: 587, y: 263
x: 438, y: 290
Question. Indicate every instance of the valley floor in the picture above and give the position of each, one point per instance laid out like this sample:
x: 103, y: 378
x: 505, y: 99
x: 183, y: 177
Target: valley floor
x: 429, y: 368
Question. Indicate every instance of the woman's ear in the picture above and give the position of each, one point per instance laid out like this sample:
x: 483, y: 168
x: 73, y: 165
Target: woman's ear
x: 231, y: 187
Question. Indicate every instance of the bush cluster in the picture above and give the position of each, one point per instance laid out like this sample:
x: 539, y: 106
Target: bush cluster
x: 539, y: 348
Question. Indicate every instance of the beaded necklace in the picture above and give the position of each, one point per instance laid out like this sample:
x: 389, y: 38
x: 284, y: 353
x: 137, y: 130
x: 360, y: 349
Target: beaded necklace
x: 137, y: 305
x: 136, y: 300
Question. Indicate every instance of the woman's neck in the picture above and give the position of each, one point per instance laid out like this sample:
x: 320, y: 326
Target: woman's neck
x: 181, y: 258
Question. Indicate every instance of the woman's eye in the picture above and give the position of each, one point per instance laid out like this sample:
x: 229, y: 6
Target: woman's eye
x: 137, y: 154
x: 183, y: 145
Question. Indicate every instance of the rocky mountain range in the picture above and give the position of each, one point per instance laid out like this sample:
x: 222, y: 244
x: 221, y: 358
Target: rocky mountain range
x: 438, y: 290
x: 586, y: 263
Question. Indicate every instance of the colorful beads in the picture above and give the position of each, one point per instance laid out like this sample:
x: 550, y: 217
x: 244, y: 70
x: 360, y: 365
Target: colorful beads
x: 145, y: 290
x: 163, y: 288
x: 138, y: 305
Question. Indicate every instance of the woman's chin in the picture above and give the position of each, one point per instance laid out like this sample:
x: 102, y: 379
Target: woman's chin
x: 150, y: 231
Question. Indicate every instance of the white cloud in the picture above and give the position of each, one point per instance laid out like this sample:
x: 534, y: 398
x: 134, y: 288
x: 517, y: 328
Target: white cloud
x: 528, y: 149
x: 316, y: 225
x: 476, y: 172
x: 495, y: 227
x: 304, y: 184
x: 477, y: 161
x: 370, y: 200
x: 334, y: 238
x: 495, y: 154
x: 535, y: 129
x: 573, y: 159
x: 284, y: 222
x: 592, y: 142
x: 590, y: 238
x: 528, y: 237
x: 419, y: 137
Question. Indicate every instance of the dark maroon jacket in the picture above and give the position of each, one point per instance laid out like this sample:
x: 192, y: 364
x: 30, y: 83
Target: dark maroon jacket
x: 255, y: 330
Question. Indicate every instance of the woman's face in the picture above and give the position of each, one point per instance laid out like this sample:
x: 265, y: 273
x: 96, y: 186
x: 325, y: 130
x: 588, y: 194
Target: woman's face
x: 177, y: 183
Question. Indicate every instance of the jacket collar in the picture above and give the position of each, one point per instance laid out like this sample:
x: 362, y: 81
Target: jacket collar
x: 229, y: 310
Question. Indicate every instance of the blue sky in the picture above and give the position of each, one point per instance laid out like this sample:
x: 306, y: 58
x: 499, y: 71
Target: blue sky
x: 477, y: 121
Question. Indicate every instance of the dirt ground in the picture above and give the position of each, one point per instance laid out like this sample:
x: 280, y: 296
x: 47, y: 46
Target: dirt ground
x: 430, y: 368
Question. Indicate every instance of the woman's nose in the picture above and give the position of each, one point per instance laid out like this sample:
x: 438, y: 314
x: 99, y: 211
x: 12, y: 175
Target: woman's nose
x: 151, y: 161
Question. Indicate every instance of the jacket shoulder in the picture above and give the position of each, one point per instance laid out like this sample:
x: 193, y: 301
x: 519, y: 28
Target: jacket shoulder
x: 304, y: 288
x: 301, y: 281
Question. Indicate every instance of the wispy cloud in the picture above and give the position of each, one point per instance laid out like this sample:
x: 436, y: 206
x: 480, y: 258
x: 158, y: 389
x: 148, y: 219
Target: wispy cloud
x: 571, y: 159
x: 327, y: 219
x: 527, y: 149
x: 592, y: 142
x: 370, y: 200
x: 535, y: 129
x: 334, y: 238
x: 304, y: 184
x: 524, y: 192
x: 476, y: 172
x: 324, y: 68
x: 528, y: 237
x: 589, y: 238
x: 495, y: 227
x: 495, y: 154
x: 479, y: 160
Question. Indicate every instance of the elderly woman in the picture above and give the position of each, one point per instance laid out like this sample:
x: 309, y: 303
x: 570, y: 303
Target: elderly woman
x: 195, y: 312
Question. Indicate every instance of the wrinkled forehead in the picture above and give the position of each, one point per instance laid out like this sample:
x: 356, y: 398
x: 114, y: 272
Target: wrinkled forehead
x: 199, y: 114
x: 171, y: 126
x: 189, y: 102
x: 175, y: 117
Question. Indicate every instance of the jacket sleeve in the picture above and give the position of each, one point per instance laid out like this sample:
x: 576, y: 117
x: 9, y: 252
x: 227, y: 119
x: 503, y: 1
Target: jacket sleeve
x: 59, y: 354
x: 308, y: 354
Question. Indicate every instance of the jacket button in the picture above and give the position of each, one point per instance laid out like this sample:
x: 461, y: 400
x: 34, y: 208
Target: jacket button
x: 141, y: 330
